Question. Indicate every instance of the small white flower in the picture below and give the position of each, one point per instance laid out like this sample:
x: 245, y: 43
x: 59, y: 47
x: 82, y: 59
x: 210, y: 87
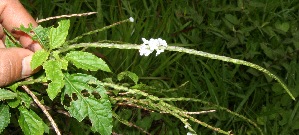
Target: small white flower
x: 146, y: 42
x: 153, y: 44
x: 131, y: 19
x: 159, y: 51
x: 162, y: 42
x: 189, y: 133
x: 149, y: 46
x: 144, y: 50
x: 186, y: 126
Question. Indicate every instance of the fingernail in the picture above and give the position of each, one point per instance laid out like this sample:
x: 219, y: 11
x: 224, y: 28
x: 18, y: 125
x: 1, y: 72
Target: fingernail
x: 26, y: 69
x: 34, y: 47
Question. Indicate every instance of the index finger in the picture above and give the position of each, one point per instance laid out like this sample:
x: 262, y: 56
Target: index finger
x: 13, y: 15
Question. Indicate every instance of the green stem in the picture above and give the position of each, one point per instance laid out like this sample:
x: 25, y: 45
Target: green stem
x: 95, y: 31
x: 165, y: 107
x: 184, y: 50
x: 216, y: 106
x: 231, y: 60
x: 28, y: 82
x: 100, y: 45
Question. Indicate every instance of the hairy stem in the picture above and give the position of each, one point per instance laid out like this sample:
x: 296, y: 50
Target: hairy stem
x: 41, y: 106
x: 188, y: 51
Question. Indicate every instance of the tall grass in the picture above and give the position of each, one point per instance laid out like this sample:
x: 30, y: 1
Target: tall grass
x: 260, y: 31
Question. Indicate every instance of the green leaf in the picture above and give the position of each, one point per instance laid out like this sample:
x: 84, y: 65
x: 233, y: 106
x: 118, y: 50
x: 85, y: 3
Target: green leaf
x: 53, y: 70
x: 100, y: 115
x: 131, y: 75
x: 9, y: 43
x: 232, y: 19
x: 145, y: 123
x: 87, y: 61
x: 62, y: 62
x: 78, y: 109
x: 295, y: 125
x: 4, y: 117
x: 285, y: 26
x: 10, y: 40
x: 75, y: 83
x: 54, y: 88
x: 46, y: 128
x: 13, y: 87
x: 25, y: 99
x: 42, y: 36
x: 54, y: 73
x: 38, y: 58
x: 269, y: 31
x: 268, y: 51
x: 228, y: 24
x: 257, y: 4
x: 13, y: 103
x: 59, y: 34
x: 98, y: 110
x: 30, y: 122
x: 6, y: 94
x: 27, y: 30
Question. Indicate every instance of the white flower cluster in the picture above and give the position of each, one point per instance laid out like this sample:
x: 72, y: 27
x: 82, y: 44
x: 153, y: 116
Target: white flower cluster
x: 131, y: 19
x: 149, y: 46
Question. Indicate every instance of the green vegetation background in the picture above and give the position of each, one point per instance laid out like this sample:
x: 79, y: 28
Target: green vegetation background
x: 264, y: 32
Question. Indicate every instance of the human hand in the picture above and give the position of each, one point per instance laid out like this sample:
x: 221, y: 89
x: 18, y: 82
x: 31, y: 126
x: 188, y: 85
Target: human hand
x: 15, y: 62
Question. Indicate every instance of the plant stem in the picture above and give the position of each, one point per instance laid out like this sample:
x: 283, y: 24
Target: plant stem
x: 96, y: 31
x: 188, y: 51
x: 65, y: 16
x: 216, y: 106
x: 41, y: 106
x: 231, y: 60
x: 165, y: 107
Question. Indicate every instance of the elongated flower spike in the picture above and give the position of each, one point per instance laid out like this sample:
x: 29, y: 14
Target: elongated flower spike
x: 151, y: 45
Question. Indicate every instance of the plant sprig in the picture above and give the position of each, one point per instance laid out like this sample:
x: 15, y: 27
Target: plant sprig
x: 187, y: 51
x: 58, y: 53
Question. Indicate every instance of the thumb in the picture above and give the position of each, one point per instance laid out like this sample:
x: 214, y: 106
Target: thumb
x: 14, y: 65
